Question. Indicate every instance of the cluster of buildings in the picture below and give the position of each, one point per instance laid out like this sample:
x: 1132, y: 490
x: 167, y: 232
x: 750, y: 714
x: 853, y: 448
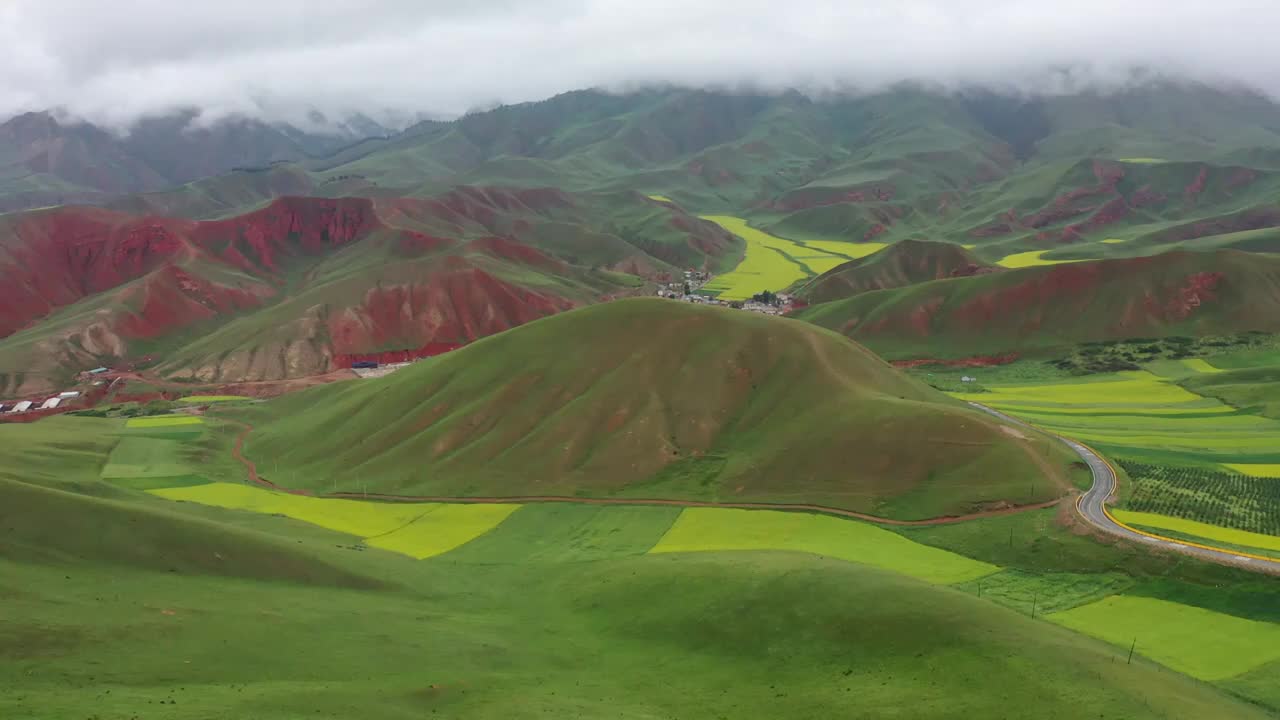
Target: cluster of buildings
x: 686, y: 290
x: 23, y: 406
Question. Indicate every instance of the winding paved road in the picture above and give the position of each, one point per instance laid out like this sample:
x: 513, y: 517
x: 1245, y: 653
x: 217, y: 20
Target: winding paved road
x: 1092, y: 506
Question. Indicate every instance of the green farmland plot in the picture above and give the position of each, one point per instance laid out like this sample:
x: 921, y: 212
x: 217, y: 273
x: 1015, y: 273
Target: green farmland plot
x: 145, y: 462
x: 561, y: 532
x: 1202, y: 643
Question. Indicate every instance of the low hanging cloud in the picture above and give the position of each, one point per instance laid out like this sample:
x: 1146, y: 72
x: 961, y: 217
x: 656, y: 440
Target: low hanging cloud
x: 113, y: 62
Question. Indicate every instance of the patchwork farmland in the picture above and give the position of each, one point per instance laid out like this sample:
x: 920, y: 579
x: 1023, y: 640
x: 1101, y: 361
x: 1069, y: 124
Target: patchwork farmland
x: 1196, y: 466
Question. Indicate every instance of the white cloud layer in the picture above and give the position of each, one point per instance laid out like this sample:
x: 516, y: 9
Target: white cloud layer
x: 112, y: 62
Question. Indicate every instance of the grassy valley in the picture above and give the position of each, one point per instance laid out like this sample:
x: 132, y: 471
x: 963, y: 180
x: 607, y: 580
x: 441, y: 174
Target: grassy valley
x: 577, y: 501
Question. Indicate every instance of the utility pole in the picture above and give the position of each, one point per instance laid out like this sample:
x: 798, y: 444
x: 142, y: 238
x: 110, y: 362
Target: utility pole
x: 1131, y: 648
x: 1034, y: 599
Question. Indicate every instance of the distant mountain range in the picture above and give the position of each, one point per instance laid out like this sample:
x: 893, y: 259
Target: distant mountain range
x: 548, y: 201
x: 47, y: 161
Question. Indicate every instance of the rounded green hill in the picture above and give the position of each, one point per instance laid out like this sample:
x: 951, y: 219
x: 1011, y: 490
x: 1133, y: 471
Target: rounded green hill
x: 658, y: 399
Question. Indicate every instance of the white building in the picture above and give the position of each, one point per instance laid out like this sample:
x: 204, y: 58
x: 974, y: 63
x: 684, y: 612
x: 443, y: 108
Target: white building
x: 23, y: 406
x: 69, y: 394
x: 51, y: 403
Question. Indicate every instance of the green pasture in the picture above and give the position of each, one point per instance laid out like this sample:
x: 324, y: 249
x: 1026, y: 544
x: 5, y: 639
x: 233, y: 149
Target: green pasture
x: 212, y: 398
x: 1201, y: 643
x: 202, y: 610
x: 568, y: 532
x: 713, y: 529
x: 145, y: 462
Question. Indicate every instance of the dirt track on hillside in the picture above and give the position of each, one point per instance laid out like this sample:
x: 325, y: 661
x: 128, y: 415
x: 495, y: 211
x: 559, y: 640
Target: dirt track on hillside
x: 237, y: 451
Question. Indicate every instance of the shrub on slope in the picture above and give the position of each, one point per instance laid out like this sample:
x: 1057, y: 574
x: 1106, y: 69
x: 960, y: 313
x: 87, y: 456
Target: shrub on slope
x: 654, y: 398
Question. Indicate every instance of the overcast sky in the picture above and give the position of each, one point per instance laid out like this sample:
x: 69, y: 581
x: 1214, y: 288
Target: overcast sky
x: 112, y: 61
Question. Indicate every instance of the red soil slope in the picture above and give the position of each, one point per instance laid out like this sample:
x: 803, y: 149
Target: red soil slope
x: 449, y: 308
x: 55, y: 258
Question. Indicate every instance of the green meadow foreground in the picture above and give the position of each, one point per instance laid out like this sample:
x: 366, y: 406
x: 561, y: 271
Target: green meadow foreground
x: 144, y: 574
x: 184, y: 610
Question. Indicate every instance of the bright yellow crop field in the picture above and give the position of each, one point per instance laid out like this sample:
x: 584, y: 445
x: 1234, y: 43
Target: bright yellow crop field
x: 1133, y: 389
x: 442, y: 528
x: 1200, y: 365
x: 1199, y: 529
x: 417, y: 530
x: 704, y: 529
x: 1262, y: 470
x: 1030, y: 259
x: 771, y: 263
x: 1201, y: 643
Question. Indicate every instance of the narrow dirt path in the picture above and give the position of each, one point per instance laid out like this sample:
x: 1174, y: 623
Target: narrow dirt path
x: 793, y: 507
x: 251, y: 470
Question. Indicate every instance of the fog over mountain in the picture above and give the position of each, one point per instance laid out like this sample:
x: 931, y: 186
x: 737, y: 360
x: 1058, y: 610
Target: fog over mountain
x: 112, y: 63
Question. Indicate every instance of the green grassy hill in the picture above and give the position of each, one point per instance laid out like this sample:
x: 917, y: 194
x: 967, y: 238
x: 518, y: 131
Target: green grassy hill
x: 1053, y: 307
x: 653, y: 398
x: 119, y: 603
x: 904, y: 263
x: 57, y: 511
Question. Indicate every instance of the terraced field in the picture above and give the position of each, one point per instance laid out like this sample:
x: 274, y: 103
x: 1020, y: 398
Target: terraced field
x: 1142, y: 415
x: 774, y: 263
